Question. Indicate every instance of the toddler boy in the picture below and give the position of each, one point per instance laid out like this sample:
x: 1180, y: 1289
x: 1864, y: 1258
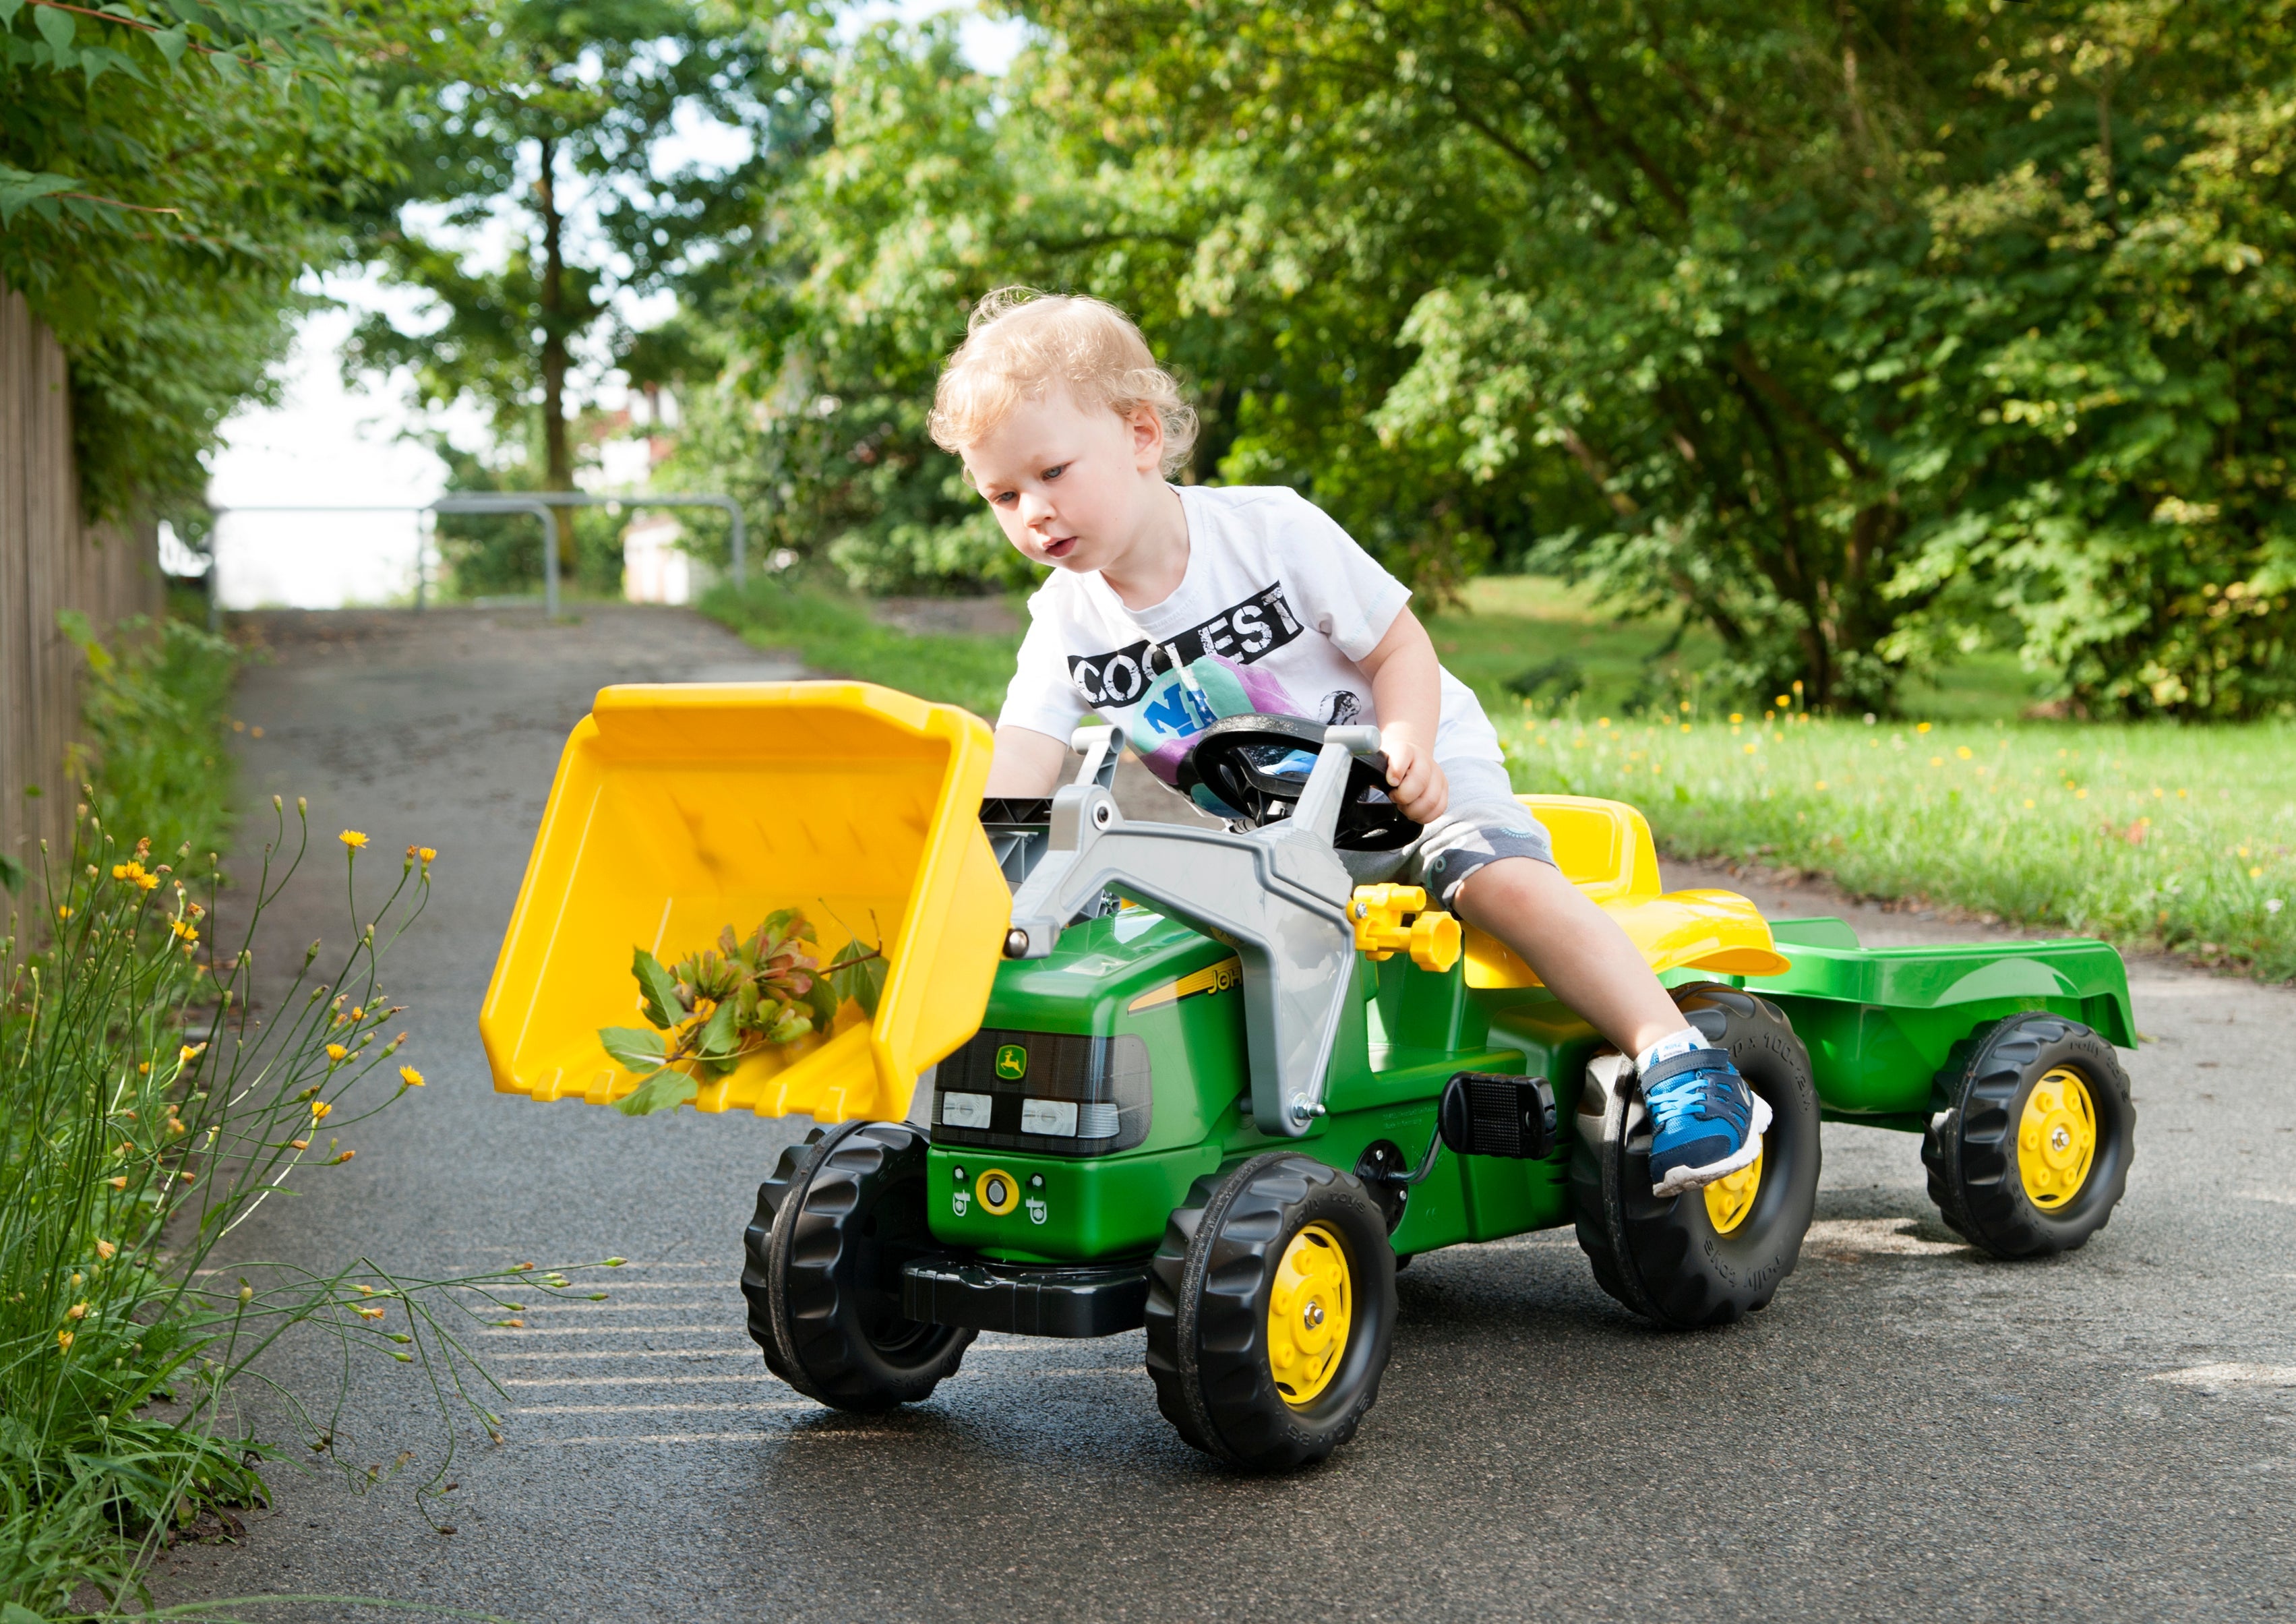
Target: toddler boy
x: 1172, y: 606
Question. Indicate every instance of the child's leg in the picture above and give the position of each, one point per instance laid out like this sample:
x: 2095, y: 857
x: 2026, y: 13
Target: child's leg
x: 1707, y: 1122
x: 1576, y: 948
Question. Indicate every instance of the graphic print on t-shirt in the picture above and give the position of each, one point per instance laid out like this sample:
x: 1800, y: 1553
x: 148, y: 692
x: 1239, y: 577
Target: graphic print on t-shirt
x: 1176, y: 689
x: 1243, y: 632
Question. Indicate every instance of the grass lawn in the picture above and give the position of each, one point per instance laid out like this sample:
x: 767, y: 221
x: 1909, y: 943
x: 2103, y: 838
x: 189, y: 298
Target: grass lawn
x: 2147, y: 835
x: 834, y: 635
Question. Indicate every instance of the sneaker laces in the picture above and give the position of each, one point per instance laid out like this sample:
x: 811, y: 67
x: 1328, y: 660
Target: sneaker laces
x: 1702, y: 1090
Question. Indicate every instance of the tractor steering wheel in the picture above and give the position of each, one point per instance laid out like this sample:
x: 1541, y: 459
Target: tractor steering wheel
x: 1254, y: 767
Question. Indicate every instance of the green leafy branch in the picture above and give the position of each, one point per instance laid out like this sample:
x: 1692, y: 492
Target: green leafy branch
x: 714, y: 1009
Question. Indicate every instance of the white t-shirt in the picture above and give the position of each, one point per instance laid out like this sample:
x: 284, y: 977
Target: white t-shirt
x: 1277, y: 606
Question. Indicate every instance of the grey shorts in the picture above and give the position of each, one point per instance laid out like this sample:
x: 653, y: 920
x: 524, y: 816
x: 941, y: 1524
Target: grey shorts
x: 1483, y: 823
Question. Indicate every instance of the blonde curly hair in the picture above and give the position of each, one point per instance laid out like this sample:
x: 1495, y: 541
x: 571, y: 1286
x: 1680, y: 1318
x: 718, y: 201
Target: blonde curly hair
x: 1021, y: 342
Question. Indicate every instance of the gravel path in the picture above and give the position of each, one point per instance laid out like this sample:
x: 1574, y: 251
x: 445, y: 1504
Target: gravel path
x: 1912, y: 1432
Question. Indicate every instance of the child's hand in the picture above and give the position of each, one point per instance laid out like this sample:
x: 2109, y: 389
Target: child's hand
x: 1415, y: 783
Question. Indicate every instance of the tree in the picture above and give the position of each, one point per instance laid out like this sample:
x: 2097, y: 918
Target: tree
x: 558, y: 111
x: 1871, y: 327
x: 167, y: 175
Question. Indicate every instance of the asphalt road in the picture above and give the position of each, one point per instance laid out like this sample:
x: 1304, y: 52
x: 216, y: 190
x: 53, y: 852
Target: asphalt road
x: 1912, y: 1432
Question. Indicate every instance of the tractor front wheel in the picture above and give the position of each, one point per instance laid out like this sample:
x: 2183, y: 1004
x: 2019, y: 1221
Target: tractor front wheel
x: 823, y: 1259
x: 1271, y: 1309
x: 2032, y: 1149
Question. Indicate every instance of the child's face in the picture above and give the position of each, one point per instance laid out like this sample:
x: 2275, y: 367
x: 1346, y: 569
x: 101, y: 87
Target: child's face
x: 1072, y: 485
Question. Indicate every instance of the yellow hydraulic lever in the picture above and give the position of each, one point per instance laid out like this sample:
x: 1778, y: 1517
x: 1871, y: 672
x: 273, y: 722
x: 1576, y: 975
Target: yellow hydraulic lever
x: 1391, y: 919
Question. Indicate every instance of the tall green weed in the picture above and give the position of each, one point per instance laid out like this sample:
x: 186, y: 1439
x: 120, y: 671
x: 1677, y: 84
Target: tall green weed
x: 145, y: 1112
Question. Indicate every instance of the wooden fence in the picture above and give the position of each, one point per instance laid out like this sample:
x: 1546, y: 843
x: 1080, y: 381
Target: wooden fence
x: 49, y: 560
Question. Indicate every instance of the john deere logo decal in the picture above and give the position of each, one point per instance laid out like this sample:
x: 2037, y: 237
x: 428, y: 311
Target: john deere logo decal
x: 1012, y: 1061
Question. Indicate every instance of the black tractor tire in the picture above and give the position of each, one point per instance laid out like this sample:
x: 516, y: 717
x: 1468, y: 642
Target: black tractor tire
x: 1662, y: 1255
x: 1208, y: 1292
x: 822, y: 1270
x: 1971, y: 1148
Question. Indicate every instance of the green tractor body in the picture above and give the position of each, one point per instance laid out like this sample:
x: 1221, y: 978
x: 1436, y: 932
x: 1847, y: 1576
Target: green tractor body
x: 1140, y: 1013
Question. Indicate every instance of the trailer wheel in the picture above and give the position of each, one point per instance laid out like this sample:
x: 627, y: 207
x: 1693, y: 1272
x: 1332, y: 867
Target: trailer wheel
x: 2031, y: 1152
x: 823, y: 1257
x: 1705, y: 1257
x: 1271, y: 1309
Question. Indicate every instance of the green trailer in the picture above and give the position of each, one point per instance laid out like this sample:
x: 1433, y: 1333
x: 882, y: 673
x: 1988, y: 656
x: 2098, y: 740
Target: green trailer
x: 1224, y: 1088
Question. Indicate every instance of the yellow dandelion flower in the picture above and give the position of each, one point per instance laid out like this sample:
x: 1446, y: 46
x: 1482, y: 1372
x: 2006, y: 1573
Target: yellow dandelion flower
x: 147, y: 882
x: 353, y: 838
x: 320, y: 1111
x: 1936, y: 760
x: 426, y: 853
x: 2028, y: 803
x: 1920, y: 726
x: 2080, y: 795
x: 1752, y: 748
x: 189, y: 1053
x: 410, y: 1076
x: 1735, y: 718
x: 119, y: 869
x: 1783, y: 701
x: 335, y: 1052
x: 64, y: 1340
x: 1964, y: 752
x: 105, y: 1250
x: 1821, y: 784
x: 2257, y: 873
x: 62, y: 912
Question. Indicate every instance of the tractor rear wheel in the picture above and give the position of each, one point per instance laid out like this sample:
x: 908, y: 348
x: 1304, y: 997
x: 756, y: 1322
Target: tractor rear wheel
x: 1271, y: 1310
x: 822, y: 1261
x: 1706, y: 1257
x: 2032, y: 1149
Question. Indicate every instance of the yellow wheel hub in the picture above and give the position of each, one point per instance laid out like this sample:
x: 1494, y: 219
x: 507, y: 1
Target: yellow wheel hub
x: 1309, y: 1314
x: 2056, y: 1139
x: 1730, y: 1198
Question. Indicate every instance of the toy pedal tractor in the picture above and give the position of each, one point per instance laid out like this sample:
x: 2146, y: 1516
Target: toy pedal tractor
x: 1203, y: 1082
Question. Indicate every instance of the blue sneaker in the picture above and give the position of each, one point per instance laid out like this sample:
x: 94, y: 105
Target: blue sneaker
x: 1706, y: 1122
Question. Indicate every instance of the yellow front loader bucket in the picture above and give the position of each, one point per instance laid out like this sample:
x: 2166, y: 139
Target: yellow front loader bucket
x: 678, y: 811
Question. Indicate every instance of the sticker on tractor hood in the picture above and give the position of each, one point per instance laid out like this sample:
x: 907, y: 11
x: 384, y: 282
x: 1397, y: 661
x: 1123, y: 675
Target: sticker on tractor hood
x: 1213, y: 978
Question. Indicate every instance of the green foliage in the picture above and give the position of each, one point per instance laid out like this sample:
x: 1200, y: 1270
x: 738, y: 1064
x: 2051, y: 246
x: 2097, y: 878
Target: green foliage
x: 167, y: 173
x: 1856, y: 337
x: 555, y: 111
x: 715, y: 1008
x: 154, y: 716
x: 2150, y: 835
x: 834, y: 634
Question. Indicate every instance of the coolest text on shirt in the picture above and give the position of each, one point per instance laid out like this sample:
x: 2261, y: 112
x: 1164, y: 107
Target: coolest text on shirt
x: 1244, y: 632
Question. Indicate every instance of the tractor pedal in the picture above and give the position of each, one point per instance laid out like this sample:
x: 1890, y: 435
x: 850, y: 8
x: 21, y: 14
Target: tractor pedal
x: 1487, y: 1113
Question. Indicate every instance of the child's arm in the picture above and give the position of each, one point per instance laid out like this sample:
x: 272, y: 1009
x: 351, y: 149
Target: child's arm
x: 1407, y: 690
x: 1027, y: 763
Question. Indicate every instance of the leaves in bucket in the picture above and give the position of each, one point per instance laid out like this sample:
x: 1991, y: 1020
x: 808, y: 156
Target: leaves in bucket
x: 713, y: 1009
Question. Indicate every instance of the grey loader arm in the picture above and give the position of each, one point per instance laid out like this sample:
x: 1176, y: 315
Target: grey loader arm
x: 1278, y: 894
